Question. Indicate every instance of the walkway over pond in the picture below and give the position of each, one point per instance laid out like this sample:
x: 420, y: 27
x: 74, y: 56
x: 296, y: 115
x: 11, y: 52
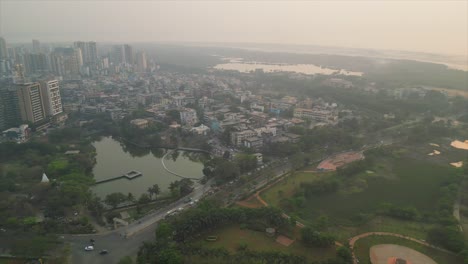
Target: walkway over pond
x: 129, y: 176
x: 176, y: 174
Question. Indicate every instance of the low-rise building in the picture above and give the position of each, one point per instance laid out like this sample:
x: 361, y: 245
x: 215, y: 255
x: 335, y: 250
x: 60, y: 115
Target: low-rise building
x: 238, y: 137
x: 253, y: 143
x: 292, y: 137
x: 140, y: 123
x: 259, y: 157
x: 200, y: 130
x: 316, y: 114
x: 188, y: 116
x: 18, y: 134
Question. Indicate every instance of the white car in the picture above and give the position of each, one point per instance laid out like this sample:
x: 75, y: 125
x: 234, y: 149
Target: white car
x: 89, y: 248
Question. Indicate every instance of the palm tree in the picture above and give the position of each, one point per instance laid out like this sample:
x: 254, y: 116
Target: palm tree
x: 153, y: 190
x: 130, y: 197
x: 156, y: 190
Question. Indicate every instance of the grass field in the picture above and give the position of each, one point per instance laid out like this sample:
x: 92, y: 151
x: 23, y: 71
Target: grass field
x: 413, y: 183
x: 288, y: 186
x: 231, y: 237
x: 400, y: 181
x: 362, y: 246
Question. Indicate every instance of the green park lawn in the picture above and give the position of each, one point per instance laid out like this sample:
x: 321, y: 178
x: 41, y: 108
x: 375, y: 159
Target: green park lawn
x: 362, y: 246
x: 230, y: 237
x: 416, y: 184
x: 288, y: 186
x: 400, y: 181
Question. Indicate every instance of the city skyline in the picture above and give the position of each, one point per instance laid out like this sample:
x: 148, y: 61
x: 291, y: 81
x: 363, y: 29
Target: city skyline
x: 429, y: 26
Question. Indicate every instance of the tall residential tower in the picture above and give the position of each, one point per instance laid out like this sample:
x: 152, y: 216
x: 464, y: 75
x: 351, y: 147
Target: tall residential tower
x: 30, y: 102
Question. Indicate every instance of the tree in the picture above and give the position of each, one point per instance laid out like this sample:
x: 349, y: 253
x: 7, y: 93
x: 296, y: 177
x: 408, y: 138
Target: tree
x: 447, y: 237
x: 96, y: 208
x: 164, y: 232
x: 246, y: 162
x: 311, y: 237
x: 126, y: 260
x: 170, y: 256
x: 114, y: 199
x: 345, y: 254
x: 130, y: 197
x: 144, y: 199
x: 153, y: 190
x: 322, y: 222
x: 173, y: 115
x: 226, y: 171
x: 181, y: 187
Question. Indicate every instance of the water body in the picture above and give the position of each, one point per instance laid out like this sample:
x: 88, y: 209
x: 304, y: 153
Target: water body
x: 241, y: 66
x: 114, y: 158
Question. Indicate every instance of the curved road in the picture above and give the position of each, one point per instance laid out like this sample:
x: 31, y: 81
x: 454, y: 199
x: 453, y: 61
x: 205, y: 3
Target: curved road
x: 126, y: 240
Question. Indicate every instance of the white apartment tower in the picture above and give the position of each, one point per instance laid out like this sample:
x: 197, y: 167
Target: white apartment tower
x: 51, y: 97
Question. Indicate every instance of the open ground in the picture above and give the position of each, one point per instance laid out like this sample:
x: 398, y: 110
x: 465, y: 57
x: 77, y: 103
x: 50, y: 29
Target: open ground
x: 389, y: 253
x: 363, y: 246
x: 233, y: 236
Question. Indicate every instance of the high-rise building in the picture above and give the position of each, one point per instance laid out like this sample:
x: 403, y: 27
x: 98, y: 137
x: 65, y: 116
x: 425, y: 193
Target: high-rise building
x: 30, y: 102
x: 35, y: 63
x: 82, y: 46
x: 88, y: 51
x: 92, y: 52
x: 79, y: 56
x: 36, y: 46
x: 9, y: 107
x: 141, y: 61
x: 51, y: 97
x: 3, y: 49
x: 18, y: 74
x: 118, y: 54
x: 56, y: 64
x: 128, y: 54
x: 5, y: 67
x: 66, y: 62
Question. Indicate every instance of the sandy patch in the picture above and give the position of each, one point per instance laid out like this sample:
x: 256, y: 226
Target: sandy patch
x: 284, y: 240
x: 457, y: 164
x: 434, y: 145
x: 434, y: 152
x: 333, y: 162
x: 451, y: 92
x: 459, y: 144
x: 388, y: 253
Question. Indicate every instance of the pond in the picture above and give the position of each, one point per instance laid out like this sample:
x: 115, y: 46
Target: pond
x: 243, y: 66
x: 115, y: 159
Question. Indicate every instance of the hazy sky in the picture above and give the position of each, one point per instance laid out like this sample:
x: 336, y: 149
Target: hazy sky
x: 428, y: 26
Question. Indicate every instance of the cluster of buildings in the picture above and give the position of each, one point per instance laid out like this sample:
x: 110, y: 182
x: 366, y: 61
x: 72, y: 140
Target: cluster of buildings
x: 91, y: 83
x: 73, y: 62
x: 26, y: 105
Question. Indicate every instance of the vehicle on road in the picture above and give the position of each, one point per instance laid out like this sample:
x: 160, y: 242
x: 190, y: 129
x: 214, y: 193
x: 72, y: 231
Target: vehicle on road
x: 89, y: 248
x: 170, y: 212
x: 103, y: 252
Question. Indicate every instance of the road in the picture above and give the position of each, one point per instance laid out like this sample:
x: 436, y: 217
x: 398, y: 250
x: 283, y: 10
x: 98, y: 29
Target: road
x: 124, y: 241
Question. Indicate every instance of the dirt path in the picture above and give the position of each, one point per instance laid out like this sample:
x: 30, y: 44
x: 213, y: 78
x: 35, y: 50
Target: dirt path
x: 353, y: 240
